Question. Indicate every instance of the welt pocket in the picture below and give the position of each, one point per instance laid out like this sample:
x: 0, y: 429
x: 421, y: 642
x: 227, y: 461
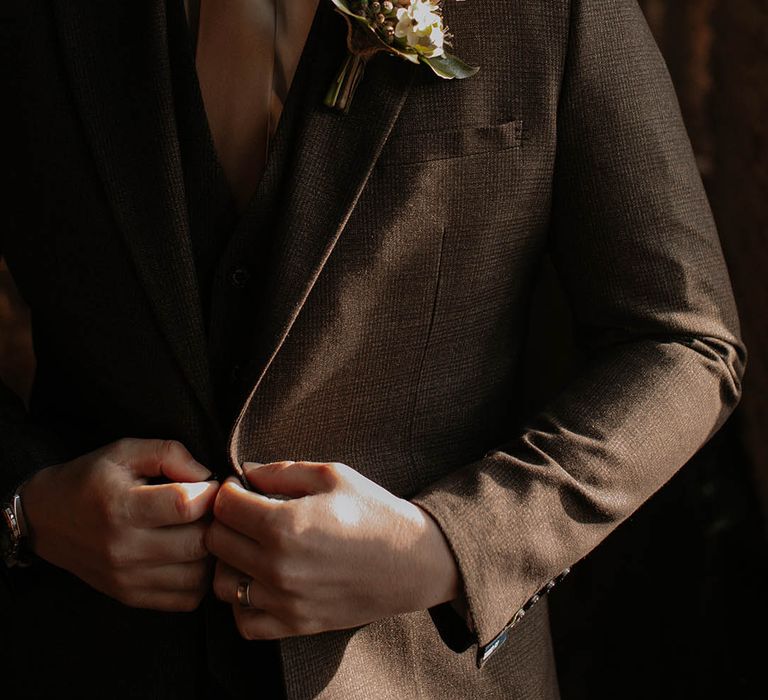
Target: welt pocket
x: 452, y: 143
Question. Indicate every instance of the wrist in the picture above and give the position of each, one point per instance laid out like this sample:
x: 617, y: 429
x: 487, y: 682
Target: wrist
x: 32, y: 493
x: 442, y: 570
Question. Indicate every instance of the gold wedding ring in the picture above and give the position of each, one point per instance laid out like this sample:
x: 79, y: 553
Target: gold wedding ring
x: 244, y: 593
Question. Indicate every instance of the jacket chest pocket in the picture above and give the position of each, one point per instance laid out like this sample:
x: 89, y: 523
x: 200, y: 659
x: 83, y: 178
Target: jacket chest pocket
x: 403, y: 148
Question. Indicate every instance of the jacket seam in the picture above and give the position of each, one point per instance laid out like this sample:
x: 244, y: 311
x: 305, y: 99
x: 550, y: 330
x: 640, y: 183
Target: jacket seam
x: 424, y: 350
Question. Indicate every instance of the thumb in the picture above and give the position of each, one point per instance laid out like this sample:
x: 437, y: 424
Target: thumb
x: 161, y: 458
x: 292, y: 479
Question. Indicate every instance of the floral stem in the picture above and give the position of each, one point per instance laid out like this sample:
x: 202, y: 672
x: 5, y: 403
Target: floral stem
x: 342, y: 90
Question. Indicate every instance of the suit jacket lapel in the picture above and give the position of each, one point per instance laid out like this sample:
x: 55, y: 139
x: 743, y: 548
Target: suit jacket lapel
x: 117, y: 57
x: 319, y: 162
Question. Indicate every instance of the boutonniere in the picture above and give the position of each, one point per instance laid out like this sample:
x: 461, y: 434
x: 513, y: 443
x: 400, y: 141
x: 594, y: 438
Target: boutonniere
x: 410, y: 29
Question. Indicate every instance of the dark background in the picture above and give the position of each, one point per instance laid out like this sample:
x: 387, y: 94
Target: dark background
x: 675, y: 599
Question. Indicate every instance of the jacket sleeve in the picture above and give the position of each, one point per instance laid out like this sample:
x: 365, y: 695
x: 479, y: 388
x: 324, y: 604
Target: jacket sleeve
x: 637, y: 252
x: 25, y: 446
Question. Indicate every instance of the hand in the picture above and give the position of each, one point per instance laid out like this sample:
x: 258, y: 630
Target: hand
x: 343, y: 552
x: 141, y: 544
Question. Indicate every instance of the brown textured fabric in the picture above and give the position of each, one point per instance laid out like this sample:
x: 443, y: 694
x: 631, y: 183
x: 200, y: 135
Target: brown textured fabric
x: 392, y: 252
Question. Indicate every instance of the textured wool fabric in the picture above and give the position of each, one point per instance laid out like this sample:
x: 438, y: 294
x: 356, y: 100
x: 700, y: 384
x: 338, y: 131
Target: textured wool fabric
x: 390, y: 256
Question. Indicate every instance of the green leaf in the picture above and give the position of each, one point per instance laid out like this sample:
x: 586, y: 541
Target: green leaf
x: 412, y: 57
x: 342, y: 7
x: 448, y: 66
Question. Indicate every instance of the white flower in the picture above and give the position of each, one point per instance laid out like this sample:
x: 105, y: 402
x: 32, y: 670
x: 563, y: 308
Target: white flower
x: 422, y: 27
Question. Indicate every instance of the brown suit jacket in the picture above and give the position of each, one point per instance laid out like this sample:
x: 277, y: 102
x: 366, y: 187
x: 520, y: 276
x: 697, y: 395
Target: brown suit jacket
x: 374, y: 302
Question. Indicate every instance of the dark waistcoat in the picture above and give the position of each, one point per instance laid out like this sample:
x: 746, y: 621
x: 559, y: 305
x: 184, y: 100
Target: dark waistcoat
x: 213, y: 222
x: 231, y: 249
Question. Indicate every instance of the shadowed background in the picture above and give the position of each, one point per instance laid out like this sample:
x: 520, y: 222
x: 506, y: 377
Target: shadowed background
x: 674, y: 597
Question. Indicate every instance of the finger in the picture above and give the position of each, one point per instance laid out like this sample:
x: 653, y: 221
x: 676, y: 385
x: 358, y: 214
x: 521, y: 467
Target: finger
x: 191, y: 576
x: 251, y: 514
x: 169, y: 545
x: 161, y: 458
x: 294, y: 479
x: 170, y: 504
x: 259, y: 624
x: 167, y: 601
x: 236, y: 550
x: 226, y: 582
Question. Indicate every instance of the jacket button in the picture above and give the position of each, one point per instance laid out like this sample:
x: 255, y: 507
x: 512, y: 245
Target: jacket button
x: 240, y: 278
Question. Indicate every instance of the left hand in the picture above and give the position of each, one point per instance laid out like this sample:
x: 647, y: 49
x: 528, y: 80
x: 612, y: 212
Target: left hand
x: 342, y: 552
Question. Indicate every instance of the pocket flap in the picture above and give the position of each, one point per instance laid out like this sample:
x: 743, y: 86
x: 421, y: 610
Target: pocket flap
x: 438, y: 145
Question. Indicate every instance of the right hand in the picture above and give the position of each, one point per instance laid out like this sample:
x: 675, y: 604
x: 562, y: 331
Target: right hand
x: 141, y: 544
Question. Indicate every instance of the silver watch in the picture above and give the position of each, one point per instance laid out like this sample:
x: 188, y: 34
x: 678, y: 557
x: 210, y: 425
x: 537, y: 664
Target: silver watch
x: 14, y: 535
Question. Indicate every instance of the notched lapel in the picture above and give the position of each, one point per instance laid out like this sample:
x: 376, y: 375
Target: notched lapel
x: 118, y: 63
x: 316, y: 178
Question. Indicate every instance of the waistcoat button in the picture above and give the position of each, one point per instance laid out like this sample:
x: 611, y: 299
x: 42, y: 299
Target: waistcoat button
x: 240, y: 278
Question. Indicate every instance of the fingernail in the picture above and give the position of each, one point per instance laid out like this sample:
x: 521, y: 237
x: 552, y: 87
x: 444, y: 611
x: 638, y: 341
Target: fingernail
x: 248, y: 466
x: 204, y: 471
x: 193, y: 490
